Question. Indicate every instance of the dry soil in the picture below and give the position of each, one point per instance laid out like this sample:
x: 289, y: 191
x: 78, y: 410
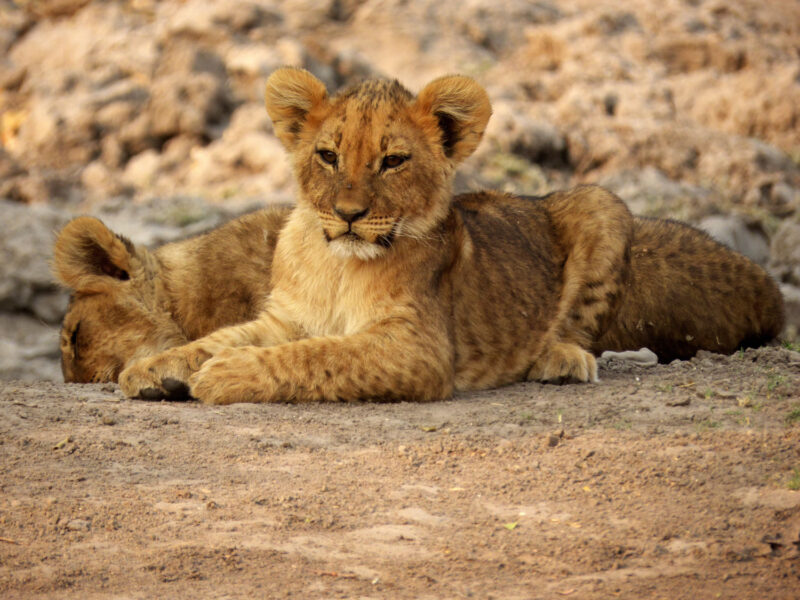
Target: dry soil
x: 673, y: 481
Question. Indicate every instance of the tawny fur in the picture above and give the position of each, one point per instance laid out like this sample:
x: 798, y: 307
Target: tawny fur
x: 384, y: 287
x: 129, y: 303
x: 187, y: 289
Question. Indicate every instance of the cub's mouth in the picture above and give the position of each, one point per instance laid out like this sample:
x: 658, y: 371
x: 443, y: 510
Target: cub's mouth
x: 383, y: 240
x: 347, y: 235
x: 363, y: 245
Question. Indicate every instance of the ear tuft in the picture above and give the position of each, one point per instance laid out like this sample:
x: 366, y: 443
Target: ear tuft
x: 89, y: 257
x: 290, y: 96
x: 462, y: 109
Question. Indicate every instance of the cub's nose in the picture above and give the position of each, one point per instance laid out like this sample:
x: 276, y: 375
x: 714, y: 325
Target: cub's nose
x: 350, y: 216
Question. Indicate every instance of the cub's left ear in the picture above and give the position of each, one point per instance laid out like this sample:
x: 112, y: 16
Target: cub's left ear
x: 462, y: 109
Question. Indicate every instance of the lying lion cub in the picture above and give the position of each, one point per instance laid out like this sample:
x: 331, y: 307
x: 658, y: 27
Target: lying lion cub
x: 129, y: 303
x: 384, y: 286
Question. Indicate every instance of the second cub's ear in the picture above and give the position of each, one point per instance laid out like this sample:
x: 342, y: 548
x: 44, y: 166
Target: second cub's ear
x: 89, y: 257
x: 462, y: 109
x: 292, y: 94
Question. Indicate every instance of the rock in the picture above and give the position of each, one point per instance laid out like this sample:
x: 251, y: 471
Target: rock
x: 29, y: 349
x: 692, y: 53
x: 112, y: 112
x: 302, y: 14
x: 773, y: 193
x: 644, y: 357
x: 142, y: 170
x: 100, y: 181
x: 27, y: 188
x: 791, y: 303
x: 544, y: 50
x: 252, y: 60
x: 58, y: 132
x: 762, y: 103
x: 26, y: 241
x: 748, y: 238
x: 499, y: 26
x: 683, y: 110
x: 650, y: 192
x: 188, y: 104
x: 510, y: 130
x: 785, y: 252
x: 434, y: 30
x: 13, y: 22
x: 53, y: 8
x: 775, y: 499
x: 614, y: 23
x: 213, y: 20
x: 157, y: 221
x: 247, y: 148
x: 79, y: 525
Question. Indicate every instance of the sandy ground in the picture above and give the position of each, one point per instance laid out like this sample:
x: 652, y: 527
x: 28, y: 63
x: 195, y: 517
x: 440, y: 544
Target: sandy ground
x: 673, y: 481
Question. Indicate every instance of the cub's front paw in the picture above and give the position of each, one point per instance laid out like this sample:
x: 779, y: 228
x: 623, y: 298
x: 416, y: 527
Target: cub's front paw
x: 161, y: 376
x: 563, y: 362
x: 233, y: 375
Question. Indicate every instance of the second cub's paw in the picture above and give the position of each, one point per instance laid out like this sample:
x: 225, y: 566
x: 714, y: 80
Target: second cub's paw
x: 563, y: 362
x: 163, y: 376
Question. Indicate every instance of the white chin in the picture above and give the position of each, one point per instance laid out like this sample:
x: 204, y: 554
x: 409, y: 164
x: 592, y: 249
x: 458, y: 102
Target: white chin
x: 350, y: 248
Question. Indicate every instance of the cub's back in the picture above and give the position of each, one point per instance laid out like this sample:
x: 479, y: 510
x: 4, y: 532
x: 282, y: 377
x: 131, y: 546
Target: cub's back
x: 505, y: 284
x: 688, y: 292
x: 222, y: 277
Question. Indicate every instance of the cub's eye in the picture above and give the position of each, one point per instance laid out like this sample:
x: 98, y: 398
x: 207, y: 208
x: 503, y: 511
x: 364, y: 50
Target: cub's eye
x: 390, y: 161
x: 327, y: 156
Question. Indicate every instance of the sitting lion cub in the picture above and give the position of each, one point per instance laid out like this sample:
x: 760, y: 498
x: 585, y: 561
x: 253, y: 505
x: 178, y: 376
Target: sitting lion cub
x: 384, y: 286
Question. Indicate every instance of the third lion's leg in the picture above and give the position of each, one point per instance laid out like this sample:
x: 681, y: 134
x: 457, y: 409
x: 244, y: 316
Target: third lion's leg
x: 594, y: 230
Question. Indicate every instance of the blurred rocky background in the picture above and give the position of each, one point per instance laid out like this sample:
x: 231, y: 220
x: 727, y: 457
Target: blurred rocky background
x: 149, y: 115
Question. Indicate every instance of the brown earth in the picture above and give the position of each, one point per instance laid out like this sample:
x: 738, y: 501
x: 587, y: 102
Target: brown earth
x: 674, y: 481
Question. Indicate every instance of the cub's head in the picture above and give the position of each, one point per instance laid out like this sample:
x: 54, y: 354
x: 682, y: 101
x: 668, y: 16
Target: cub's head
x: 373, y: 162
x: 114, y: 314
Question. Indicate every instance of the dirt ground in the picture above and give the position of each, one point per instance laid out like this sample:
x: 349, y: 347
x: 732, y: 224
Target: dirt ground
x: 673, y: 481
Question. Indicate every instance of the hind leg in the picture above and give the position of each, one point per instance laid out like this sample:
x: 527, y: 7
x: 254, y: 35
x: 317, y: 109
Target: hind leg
x: 594, y: 229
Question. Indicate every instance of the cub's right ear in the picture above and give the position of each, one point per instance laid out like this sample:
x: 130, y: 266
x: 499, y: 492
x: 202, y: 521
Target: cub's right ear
x: 462, y: 109
x: 89, y: 257
x: 292, y: 96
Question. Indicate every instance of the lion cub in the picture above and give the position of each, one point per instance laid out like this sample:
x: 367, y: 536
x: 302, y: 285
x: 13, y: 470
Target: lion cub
x: 684, y: 291
x: 384, y: 287
x: 128, y: 302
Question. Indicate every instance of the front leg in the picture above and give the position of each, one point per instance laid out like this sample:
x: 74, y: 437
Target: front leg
x: 378, y: 365
x: 166, y: 375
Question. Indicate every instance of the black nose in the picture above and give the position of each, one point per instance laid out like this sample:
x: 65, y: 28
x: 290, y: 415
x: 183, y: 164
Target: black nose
x: 350, y: 216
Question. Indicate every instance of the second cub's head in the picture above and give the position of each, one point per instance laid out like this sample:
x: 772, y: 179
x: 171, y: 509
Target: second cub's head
x: 375, y: 162
x: 114, y: 315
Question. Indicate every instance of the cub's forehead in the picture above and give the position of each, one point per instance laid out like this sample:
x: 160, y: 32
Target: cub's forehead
x: 368, y: 116
x: 373, y: 94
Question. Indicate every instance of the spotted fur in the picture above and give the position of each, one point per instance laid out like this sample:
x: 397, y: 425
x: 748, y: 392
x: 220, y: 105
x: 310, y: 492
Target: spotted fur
x: 129, y: 303
x: 188, y: 289
x: 385, y: 287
